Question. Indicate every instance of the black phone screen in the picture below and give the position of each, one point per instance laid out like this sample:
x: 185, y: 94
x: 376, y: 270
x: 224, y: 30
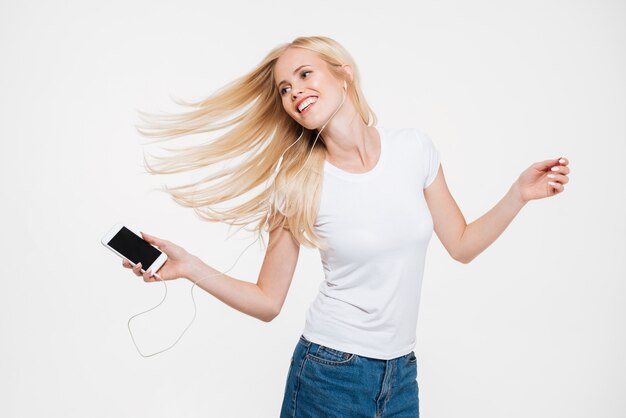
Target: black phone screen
x: 134, y: 248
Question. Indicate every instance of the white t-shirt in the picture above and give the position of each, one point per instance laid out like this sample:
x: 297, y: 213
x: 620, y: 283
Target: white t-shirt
x: 378, y: 226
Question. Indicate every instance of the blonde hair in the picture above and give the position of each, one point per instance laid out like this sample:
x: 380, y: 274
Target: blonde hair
x: 252, y: 106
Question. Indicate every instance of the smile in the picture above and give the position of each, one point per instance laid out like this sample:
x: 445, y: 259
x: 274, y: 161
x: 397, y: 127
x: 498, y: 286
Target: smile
x: 307, y: 104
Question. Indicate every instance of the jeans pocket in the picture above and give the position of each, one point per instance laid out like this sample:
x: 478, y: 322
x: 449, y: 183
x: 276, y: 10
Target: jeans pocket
x: 330, y: 356
x: 412, y: 358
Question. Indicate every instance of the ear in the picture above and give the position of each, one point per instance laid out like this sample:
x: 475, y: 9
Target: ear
x: 348, y: 69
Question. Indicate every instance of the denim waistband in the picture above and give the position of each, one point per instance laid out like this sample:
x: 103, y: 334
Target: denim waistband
x: 304, y: 341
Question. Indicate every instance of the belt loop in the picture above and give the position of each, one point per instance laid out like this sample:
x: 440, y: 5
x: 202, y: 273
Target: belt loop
x: 306, y: 342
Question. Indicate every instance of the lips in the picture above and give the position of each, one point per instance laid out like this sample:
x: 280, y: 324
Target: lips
x: 303, y: 99
x: 307, y: 109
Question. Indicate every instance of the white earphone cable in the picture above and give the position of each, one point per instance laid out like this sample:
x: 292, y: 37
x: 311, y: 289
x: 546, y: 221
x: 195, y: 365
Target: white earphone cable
x: 273, y: 195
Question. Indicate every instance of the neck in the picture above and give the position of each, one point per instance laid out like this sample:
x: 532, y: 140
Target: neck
x: 349, y: 141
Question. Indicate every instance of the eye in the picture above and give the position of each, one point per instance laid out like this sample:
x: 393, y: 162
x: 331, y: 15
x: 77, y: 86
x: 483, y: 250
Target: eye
x: 282, y: 91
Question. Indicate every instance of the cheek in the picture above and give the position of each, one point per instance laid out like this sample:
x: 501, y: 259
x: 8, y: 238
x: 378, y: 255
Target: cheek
x: 288, y: 110
x: 286, y: 106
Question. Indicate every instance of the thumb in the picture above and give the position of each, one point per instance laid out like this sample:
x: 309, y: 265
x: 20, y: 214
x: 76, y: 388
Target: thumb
x: 151, y: 239
x: 546, y: 164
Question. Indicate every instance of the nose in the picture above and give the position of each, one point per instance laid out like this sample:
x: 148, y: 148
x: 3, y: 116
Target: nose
x: 295, y: 95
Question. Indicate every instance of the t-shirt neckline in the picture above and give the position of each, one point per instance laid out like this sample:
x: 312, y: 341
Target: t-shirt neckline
x: 329, y: 168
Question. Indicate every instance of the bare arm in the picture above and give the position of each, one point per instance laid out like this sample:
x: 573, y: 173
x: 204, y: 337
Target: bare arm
x: 542, y: 179
x: 481, y: 233
x: 264, y: 299
x: 462, y: 241
x: 448, y: 221
x: 244, y: 296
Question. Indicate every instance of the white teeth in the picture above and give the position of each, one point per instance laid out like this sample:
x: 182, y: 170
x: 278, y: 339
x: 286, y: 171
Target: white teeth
x: 306, y: 103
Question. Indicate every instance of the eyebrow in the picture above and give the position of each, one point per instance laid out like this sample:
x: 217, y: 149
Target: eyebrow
x: 294, y: 71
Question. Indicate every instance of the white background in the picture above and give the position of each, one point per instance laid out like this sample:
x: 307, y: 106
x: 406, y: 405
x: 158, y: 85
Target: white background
x: 534, y: 326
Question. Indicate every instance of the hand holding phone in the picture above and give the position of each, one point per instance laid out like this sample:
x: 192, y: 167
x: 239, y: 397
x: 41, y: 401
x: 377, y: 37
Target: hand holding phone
x: 170, y: 260
x: 178, y: 263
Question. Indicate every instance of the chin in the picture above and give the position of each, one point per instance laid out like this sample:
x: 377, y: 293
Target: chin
x: 314, y: 122
x: 307, y: 124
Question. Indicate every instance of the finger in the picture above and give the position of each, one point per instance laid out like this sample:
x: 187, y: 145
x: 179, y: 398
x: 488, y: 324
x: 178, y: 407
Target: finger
x: 561, y: 169
x: 147, y: 276
x: 126, y: 263
x: 558, y: 178
x: 558, y: 187
x: 137, y: 269
x: 563, y: 161
x: 545, y: 164
x: 152, y: 239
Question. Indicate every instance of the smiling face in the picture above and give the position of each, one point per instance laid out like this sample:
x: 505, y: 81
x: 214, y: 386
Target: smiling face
x: 299, y: 74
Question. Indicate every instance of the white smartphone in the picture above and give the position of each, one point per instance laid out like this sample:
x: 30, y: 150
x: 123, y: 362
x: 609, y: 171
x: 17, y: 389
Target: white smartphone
x: 127, y: 244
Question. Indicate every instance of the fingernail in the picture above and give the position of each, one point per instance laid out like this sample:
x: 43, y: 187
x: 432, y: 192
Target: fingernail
x: 555, y: 168
x: 562, y: 161
x: 551, y: 176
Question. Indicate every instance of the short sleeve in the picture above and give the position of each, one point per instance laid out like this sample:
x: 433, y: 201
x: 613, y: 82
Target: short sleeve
x: 431, y: 159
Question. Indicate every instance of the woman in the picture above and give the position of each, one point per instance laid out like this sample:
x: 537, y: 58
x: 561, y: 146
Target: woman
x: 368, y: 197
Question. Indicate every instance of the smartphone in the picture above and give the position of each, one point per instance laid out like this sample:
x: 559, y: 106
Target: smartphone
x: 127, y: 244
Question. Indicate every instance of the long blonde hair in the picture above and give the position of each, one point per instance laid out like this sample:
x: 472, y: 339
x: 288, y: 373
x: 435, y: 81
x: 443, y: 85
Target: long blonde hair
x: 260, y: 126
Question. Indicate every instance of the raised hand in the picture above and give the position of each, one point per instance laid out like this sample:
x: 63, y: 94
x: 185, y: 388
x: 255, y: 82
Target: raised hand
x: 543, y: 179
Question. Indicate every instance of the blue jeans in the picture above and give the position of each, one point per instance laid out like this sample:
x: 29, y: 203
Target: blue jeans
x: 326, y: 383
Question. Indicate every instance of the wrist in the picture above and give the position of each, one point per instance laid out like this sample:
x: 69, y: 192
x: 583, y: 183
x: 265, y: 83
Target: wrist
x: 516, y: 193
x: 193, y: 266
